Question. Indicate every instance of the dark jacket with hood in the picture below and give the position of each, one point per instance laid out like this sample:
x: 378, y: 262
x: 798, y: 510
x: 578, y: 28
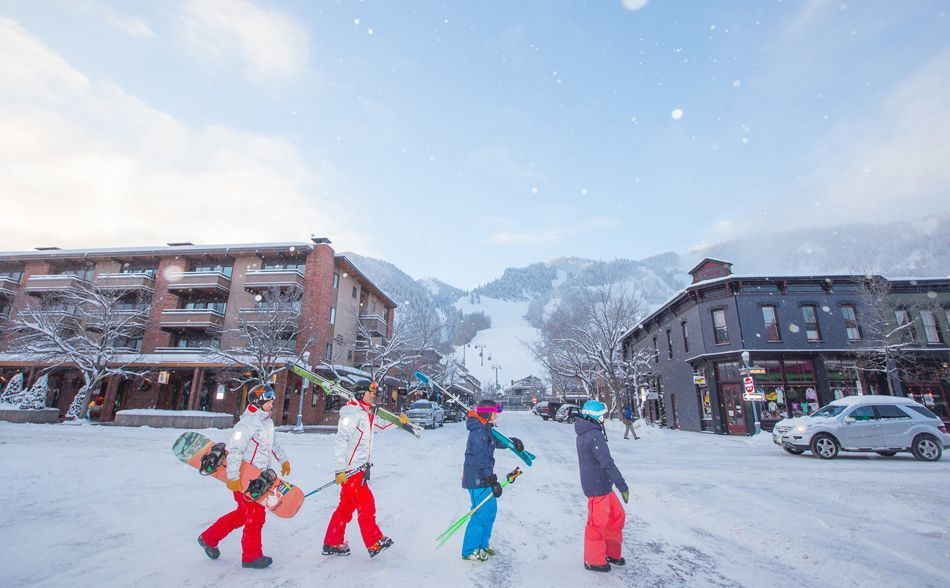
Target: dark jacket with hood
x: 598, y: 470
x: 479, y: 454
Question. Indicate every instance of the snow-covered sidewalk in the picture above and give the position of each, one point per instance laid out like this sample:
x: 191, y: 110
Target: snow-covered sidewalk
x: 112, y: 506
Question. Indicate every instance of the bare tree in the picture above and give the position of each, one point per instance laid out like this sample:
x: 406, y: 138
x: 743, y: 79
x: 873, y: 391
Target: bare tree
x: 888, y: 333
x: 82, y: 327
x: 417, y: 333
x: 582, y: 339
x: 266, y: 338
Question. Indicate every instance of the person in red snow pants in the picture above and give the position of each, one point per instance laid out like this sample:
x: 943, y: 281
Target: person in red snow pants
x: 604, y: 532
x: 354, y: 496
x: 251, y: 516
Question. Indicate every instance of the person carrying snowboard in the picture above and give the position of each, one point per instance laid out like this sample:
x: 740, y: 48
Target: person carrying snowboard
x: 352, y: 450
x: 478, y: 477
x: 252, y: 441
x: 603, y: 535
x: 628, y: 422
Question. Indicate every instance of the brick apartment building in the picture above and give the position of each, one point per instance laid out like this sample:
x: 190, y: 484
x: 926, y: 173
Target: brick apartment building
x: 810, y: 335
x: 196, y: 296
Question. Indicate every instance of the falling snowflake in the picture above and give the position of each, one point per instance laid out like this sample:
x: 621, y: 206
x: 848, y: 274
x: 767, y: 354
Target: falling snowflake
x: 534, y: 190
x: 736, y: 83
x: 793, y: 328
x: 677, y: 113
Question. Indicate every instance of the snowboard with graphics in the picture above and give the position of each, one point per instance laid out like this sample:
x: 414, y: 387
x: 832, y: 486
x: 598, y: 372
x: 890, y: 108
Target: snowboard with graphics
x: 283, y: 499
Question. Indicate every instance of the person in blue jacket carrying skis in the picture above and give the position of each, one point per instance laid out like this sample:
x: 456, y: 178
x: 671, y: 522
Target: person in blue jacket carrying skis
x: 478, y: 477
x: 603, y: 535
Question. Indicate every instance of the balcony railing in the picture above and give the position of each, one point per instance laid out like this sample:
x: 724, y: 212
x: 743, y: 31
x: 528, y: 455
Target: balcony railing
x: 288, y: 317
x: 42, y: 284
x: 8, y: 285
x: 126, y: 281
x: 199, y: 282
x: 191, y: 318
x: 373, y: 323
x: 273, y: 278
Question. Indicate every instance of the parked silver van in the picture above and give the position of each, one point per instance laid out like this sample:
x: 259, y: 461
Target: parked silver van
x: 882, y: 424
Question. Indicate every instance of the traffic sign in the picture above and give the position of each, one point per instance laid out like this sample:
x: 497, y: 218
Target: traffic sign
x: 749, y: 384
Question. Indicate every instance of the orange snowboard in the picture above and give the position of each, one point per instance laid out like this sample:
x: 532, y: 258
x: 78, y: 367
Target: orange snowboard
x: 283, y: 499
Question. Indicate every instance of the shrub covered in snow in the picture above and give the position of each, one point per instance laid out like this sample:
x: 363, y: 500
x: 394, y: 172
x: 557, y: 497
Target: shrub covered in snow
x: 13, y: 391
x: 35, y: 397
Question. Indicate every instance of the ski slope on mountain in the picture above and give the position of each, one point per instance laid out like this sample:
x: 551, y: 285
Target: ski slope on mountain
x: 504, y: 341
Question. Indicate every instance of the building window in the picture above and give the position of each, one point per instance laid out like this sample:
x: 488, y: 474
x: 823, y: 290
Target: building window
x: 656, y: 352
x: 336, y: 280
x: 329, y: 353
x: 685, y: 337
x: 810, y: 314
x: 772, y: 330
x: 907, y: 333
x: 851, y: 322
x: 669, y: 345
x: 332, y: 316
x: 719, y: 326
x: 354, y: 292
x: 931, y: 328
x: 213, y: 268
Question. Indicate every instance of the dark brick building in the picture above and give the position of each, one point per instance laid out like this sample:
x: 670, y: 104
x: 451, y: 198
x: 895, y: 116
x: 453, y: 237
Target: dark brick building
x: 197, y: 296
x: 804, y: 333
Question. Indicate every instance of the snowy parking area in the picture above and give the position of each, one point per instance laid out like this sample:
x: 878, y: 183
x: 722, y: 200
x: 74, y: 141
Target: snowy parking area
x: 112, y: 506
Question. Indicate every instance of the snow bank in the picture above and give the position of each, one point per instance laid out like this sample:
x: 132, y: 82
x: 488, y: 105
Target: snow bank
x: 161, y: 412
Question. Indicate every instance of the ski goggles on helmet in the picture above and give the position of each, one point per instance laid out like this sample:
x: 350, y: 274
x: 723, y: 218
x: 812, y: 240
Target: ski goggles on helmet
x: 265, y: 395
x: 496, y: 408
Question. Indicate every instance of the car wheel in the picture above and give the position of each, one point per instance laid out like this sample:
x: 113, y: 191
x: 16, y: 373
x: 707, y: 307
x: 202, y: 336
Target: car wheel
x: 926, y: 448
x: 545, y: 418
x: 824, y: 446
x: 570, y: 420
x: 886, y: 453
x: 793, y: 450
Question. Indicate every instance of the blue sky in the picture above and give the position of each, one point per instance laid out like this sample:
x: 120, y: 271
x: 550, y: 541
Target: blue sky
x: 456, y: 139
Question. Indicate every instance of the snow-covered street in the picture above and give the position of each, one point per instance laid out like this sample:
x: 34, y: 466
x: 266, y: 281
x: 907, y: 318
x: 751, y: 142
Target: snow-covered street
x: 112, y: 506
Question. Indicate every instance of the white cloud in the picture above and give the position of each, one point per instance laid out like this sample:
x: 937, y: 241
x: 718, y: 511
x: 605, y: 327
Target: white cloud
x: 268, y: 43
x: 84, y: 163
x: 130, y: 25
x: 894, y: 159
x: 634, y: 5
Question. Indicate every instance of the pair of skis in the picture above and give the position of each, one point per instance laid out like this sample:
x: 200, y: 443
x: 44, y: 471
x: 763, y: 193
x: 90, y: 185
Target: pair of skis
x: 331, y: 388
x: 525, y: 455
x: 349, y: 474
x: 447, y: 534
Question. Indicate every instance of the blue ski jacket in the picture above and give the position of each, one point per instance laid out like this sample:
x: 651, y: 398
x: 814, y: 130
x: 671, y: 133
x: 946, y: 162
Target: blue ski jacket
x: 479, y: 454
x: 598, y: 470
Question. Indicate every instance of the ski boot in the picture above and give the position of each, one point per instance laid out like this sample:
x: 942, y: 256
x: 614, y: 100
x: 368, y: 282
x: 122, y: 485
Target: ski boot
x: 341, y: 549
x: 593, y: 568
x: 258, y: 564
x: 380, y: 545
x: 212, y: 552
x: 477, y: 555
x: 617, y: 562
x: 489, y: 551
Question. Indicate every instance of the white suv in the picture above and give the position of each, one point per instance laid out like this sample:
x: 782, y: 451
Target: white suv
x: 426, y: 413
x: 883, y: 424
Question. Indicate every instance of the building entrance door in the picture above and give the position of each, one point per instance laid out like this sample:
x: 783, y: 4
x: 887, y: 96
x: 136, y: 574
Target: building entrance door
x: 735, y: 409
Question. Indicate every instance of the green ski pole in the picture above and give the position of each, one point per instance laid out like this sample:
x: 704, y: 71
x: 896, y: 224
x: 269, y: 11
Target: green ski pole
x: 448, y: 533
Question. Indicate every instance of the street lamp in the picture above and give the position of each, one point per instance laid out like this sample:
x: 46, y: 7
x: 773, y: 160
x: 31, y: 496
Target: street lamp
x: 303, y: 387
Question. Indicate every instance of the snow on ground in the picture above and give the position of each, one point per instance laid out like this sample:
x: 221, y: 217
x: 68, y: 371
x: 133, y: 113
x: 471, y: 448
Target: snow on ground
x: 503, y: 341
x: 111, y: 505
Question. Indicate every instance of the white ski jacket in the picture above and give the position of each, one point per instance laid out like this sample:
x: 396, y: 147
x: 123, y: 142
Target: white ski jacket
x: 253, y: 441
x: 354, y: 435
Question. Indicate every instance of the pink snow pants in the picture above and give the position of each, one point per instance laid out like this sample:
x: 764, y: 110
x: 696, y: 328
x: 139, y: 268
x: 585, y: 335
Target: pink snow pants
x: 354, y: 495
x: 249, y: 514
x: 604, y: 532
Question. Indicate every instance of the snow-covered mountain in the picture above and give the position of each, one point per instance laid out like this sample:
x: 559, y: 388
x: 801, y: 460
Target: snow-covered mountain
x: 515, y: 301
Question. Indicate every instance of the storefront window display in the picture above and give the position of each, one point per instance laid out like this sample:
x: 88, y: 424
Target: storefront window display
x: 773, y: 386
x: 844, y: 379
x: 801, y: 393
x: 933, y: 397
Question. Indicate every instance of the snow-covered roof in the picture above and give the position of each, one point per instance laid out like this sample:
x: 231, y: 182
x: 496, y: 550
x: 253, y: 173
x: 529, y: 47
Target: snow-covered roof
x: 98, y: 252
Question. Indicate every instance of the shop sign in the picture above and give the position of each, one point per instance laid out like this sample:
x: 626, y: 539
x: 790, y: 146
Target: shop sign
x: 699, y: 379
x: 652, y: 396
x: 162, y: 377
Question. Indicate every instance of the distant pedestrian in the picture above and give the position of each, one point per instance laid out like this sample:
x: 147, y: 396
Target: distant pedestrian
x: 603, y: 535
x: 628, y: 422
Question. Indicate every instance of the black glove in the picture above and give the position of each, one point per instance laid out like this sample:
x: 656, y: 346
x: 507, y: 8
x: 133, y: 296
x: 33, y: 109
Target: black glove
x: 496, y: 489
x: 519, y: 446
